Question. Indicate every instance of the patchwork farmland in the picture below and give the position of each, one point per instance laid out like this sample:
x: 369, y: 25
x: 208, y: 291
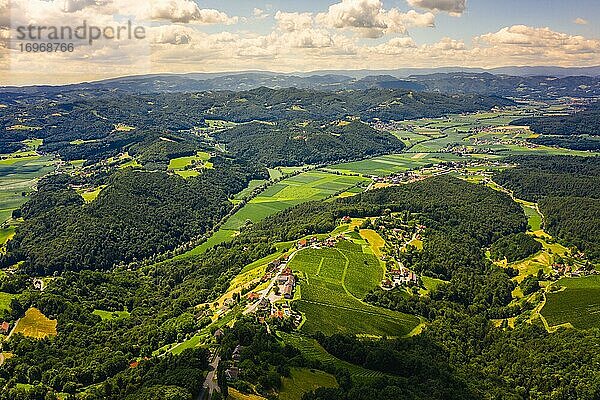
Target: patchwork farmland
x: 306, y: 186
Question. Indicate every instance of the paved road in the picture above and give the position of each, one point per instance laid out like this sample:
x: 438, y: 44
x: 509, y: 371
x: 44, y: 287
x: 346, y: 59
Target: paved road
x: 252, y: 307
x: 210, y: 383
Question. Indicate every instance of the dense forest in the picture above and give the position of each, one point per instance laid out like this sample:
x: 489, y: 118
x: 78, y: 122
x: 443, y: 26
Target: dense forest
x: 514, y: 247
x: 579, y: 142
x: 93, y: 118
x: 537, y: 177
x: 576, y: 220
x: 137, y: 215
x: 568, y: 189
x: 578, y: 131
x: 307, y: 143
x: 586, y: 122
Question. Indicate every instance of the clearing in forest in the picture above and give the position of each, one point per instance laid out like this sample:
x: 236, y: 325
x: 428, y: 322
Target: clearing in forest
x: 35, y: 324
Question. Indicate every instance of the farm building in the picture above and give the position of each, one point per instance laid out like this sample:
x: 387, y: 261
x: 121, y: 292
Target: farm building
x: 4, y: 328
x: 253, y: 296
x: 264, y: 304
x: 218, y: 334
x: 237, y: 353
x: 232, y: 374
x: 288, y: 291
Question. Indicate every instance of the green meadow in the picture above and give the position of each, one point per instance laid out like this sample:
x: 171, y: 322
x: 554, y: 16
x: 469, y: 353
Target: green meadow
x: 5, y: 299
x: 303, y: 380
x: 17, y: 176
x: 307, y: 186
x: 108, y: 315
x: 312, y: 350
x: 182, y: 165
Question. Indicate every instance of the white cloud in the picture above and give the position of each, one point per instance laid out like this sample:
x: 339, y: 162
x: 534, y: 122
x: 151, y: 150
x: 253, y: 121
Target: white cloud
x: 447, y: 43
x: 259, y: 13
x: 580, y: 21
x: 410, y: 19
x: 4, y: 13
x: 369, y: 19
x: 172, y: 34
x: 395, y: 46
x: 296, y: 41
x: 225, y: 37
x: 361, y: 14
x: 307, y: 39
x: 452, y: 7
x: 187, y: 11
x: 540, y: 39
x: 70, y: 6
x: 290, y: 22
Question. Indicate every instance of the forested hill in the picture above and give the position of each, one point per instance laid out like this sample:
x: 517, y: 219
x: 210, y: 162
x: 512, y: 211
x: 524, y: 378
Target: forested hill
x: 536, y: 83
x: 444, y: 202
x: 586, y: 122
x: 568, y: 192
x: 157, y: 127
x: 63, y: 120
x: 137, y: 215
x: 538, y: 177
x: 533, y: 87
x: 307, y: 143
x: 579, y: 131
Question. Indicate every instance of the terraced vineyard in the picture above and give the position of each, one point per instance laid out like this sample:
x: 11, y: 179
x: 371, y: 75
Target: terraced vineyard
x: 312, y: 350
x: 332, y: 284
x: 577, y: 304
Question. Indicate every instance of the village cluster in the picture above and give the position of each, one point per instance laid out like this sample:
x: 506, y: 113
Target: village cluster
x: 442, y: 168
x: 400, y: 276
x: 560, y: 269
x: 274, y: 301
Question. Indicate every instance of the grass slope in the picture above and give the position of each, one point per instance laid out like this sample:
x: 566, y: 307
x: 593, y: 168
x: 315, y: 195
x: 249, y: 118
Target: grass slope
x: 303, y: 380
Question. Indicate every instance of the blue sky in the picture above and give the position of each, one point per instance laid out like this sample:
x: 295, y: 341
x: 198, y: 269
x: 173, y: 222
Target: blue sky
x: 480, y: 16
x: 309, y: 35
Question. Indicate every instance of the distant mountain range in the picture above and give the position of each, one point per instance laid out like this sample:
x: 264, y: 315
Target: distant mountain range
x: 517, y: 82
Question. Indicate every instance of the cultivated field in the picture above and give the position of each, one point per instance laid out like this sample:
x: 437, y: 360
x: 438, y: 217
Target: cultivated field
x: 179, y: 165
x: 303, y: 380
x: 5, y: 299
x: 307, y: 186
x: 577, y: 304
x: 35, y: 324
x: 312, y: 350
x: 427, y: 140
x: 18, y: 175
x: 389, y: 164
